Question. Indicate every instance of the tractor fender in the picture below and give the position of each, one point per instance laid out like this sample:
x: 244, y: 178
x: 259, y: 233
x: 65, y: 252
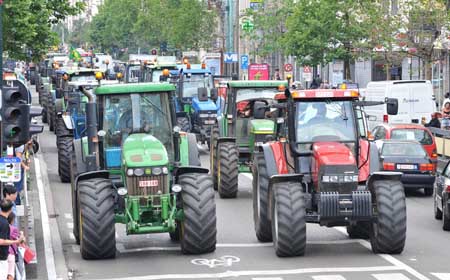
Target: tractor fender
x: 90, y: 175
x: 190, y: 169
x: 68, y: 122
x: 275, y: 159
x: 381, y: 175
x: 374, y: 157
x: 58, y: 106
x: 194, y: 158
x: 226, y: 139
x: 78, y: 151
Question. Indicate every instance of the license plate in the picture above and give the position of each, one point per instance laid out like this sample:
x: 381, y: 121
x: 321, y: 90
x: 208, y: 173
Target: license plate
x: 406, y: 166
x: 150, y: 183
x: 209, y: 122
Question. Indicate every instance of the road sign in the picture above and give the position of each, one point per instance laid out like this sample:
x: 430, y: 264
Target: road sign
x: 154, y: 52
x: 306, y: 69
x: 244, y: 62
x: 307, y: 77
x: 288, y: 67
x: 10, y: 169
x: 230, y: 57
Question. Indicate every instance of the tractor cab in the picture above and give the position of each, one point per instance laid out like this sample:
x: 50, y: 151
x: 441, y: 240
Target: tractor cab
x: 160, y: 68
x: 249, y: 120
x: 139, y: 170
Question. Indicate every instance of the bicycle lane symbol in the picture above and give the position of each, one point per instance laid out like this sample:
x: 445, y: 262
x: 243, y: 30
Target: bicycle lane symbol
x: 225, y: 261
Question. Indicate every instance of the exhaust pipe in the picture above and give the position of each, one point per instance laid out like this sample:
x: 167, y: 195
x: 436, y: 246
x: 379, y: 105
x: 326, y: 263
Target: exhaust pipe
x: 92, y: 161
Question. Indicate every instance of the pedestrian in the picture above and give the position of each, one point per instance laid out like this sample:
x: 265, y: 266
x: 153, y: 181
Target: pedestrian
x: 445, y: 124
x: 5, y: 239
x: 447, y: 99
x: 434, y: 122
x: 10, y: 193
x: 19, y: 152
x: 277, y: 74
x: 13, y: 250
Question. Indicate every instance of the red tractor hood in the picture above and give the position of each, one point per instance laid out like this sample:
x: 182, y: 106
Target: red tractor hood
x: 332, y: 153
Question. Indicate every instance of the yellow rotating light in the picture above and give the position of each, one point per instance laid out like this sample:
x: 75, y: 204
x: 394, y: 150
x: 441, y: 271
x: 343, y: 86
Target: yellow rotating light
x: 99, y: 75
x: 119, y: 75
x: 165, y: 72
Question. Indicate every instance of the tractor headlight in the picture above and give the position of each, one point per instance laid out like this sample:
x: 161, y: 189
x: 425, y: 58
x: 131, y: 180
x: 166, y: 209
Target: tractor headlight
x: 157, y: 171
x: 339, y: 178
x: 334, y: 179
x: 130, y: 172
x: 139, y: 172
x: 122, y: 191
x: 165, y: 170
x: 176, y: 188
x: 280, y: 120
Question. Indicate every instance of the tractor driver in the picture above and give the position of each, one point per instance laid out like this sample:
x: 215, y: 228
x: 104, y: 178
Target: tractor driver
x: 321, y: 114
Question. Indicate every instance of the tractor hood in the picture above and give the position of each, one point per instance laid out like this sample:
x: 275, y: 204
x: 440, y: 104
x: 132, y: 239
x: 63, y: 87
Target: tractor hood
x: 332, y: 153
x: 144, y: 150
x: 262, y: 126
x: 208, y: 105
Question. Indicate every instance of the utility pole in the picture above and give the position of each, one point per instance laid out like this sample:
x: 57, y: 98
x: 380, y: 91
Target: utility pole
x: 1, y: 73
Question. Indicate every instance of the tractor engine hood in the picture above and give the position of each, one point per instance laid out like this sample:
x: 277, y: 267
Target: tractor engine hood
x: 262, y: 126
x: 141, y: 150
x: 207, y: 105
x: 334, y: 168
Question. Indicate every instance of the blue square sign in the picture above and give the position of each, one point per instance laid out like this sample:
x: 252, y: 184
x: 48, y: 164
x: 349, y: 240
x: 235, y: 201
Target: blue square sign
x: 244, y: 62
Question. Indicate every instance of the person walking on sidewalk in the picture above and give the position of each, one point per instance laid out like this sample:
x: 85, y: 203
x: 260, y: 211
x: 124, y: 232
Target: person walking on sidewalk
x: 19, y: 152
x: 10, y: 193
x: 13, y: 250
x: 5, y: 241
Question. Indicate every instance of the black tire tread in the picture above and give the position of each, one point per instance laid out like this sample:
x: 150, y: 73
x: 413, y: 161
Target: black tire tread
x: 263, y: 226
x: 228, y: 161
x: 65, y: 151
x: 184, y: 124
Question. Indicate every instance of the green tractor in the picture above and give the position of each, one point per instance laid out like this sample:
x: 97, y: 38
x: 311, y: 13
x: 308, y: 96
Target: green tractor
x: 135, y: 167
x: 248, y: 120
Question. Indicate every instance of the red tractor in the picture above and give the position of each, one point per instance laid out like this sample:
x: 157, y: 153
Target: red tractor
x: 327, y: 172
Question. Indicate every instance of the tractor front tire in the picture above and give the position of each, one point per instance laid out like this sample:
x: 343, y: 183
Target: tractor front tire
x: 50, y: 109
x: 96, y: 219
x: 437, y: 211
x: 227, y: 170
x: 388, y: 233
x: 213, y: 154
x: 65, y: 151
x: 184, y: 124
x: 260, y: 182
x: 198, y: 229
x: 288, y: 219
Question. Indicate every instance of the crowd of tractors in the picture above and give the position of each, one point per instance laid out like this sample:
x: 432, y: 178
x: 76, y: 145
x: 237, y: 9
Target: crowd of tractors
x: 130, y: 149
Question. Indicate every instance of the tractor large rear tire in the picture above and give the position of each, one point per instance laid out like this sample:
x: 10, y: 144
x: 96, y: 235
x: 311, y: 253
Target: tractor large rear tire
x: 227, y: 170
x: 213, y: 155
x: 97, y: 226
x: 288, y: 219
x: 61, y: 129
x: 263, y: 227
x: 198, y: 229
x: 75, y: 213
x: 184, y: 124
x: 388, y: 233
x: 65, y: 151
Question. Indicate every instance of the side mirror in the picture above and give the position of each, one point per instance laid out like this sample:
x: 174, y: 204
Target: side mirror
x: 214, y: 93
x: 392, y: 106
x: 202, y: 94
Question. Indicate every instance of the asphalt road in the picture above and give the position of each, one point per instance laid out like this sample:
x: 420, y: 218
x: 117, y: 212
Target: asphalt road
x: 330, y: 254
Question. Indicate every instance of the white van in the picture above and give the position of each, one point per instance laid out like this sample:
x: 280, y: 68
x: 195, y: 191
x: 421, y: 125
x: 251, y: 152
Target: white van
x: 415, y: 101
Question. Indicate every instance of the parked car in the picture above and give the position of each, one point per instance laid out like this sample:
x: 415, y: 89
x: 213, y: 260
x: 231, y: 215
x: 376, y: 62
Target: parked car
x: 410, y: 158
x: 416, y: 101
x: 441, y: 197
x: 410, y: 132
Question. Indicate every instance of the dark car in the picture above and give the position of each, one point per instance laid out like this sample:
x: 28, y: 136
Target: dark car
x: 410, y: 158
x: 441, y: 197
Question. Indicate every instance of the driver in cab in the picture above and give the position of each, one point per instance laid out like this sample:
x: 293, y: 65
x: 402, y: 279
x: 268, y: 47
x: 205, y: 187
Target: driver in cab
x: 321, y: 114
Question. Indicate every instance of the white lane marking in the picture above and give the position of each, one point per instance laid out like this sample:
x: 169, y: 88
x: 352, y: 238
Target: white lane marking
x: 68, y: 216
x: 267, y: 278
x: 328, y: 277
x: 122, y: 249
x: 248, y: 175
x: 225, y: 261
x: 71, y: 236
x: 388, y: 258
x: 75, y: 249
x: 442, y: 276
x: 240, y: 273
x: 390, y: 276
x: 49, y: 257
x: 69, y: 225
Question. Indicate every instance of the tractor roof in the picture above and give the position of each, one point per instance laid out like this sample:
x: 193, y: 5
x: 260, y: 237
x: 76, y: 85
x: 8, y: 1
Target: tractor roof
x: 256, y: 84
x: 320, y: 94
x: 134, y: 88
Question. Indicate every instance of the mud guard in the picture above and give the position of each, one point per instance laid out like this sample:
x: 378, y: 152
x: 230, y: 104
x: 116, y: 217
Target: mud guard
x: 190, y: 169
x: 226, y: 139
x: 381, y: 175
x: 89, y: 175
x: 58, y: 106
x: 68, y: 122
x: 78, y: 150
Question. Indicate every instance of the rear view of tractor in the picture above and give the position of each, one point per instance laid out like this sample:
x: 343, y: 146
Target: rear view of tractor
x: 249, y: 120
x: 135, y: 167
x: 327, y: 172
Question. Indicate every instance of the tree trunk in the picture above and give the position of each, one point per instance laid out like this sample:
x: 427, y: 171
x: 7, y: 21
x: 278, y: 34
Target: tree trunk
x: 428, y: 69
x: 388, y: 71
x: 347, y: 73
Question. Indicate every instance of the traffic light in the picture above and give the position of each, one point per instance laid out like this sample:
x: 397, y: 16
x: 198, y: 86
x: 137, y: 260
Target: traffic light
x: 154, y: 52
x: 15, y: 116
x: 34, y: 127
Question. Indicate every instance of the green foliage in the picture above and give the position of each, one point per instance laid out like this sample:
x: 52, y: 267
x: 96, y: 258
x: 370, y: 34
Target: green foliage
x: 27, y: 25
x: 182, y: 24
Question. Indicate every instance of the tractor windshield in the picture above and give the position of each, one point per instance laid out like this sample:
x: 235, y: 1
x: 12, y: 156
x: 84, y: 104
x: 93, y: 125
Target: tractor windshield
x: 134, y: 72
x: 325, y: 121
x: 255, y: 93
x: 136, y: 113
x: 83, y: 77
x: 192, y: 82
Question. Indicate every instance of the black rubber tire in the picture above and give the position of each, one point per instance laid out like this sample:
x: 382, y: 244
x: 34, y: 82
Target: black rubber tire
x: 289, y: 219
x: 388, y: 233
x: 97, y: 225
x: 44, y: 108
x: 51, y: 124
x: 227, y: 170
x: 184, y: 124
x: 445, y: 218
x: 194, y: 156
x: 198, y: 229
x: 61, y: 129
x: 428, y: 191
x: 359, y: 231
x: 263, y: 226
x: 213, y: 155
x: 75, y: 213
x: 65, y: 151
x: 437, y: 211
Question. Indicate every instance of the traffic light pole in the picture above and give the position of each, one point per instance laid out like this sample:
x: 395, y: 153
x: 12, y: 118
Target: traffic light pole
x: 1, y: 72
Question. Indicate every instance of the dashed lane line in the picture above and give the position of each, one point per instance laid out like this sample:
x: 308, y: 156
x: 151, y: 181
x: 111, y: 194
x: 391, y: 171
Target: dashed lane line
x: 441, y: 276
x: 390, y: 276
x: 328, y: 277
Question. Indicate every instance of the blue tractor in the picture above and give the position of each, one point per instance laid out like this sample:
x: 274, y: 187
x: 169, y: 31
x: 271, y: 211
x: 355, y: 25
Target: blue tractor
x: 195, y: 101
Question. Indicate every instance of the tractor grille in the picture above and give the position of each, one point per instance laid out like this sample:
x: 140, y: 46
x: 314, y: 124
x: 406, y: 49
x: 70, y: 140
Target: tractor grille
x: 146, y: 185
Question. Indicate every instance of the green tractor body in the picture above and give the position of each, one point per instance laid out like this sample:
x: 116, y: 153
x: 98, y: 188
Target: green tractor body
x: 248, y: 121
x: 139, y: 171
